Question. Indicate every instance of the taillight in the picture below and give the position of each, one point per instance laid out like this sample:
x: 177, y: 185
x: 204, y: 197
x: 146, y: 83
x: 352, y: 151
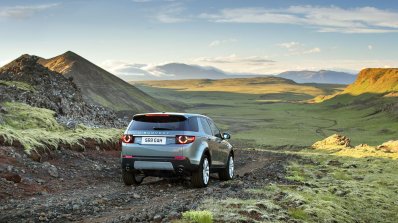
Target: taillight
x: 185, y: 139
x: 127, y: 157
x: 127, y: 138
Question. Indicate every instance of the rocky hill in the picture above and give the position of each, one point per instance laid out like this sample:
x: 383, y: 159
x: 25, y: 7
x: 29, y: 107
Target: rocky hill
x: 322, y: 76
x: 25, y: 80
x: 375, y: 88
x: 374, y: 81
x: 101, y: 87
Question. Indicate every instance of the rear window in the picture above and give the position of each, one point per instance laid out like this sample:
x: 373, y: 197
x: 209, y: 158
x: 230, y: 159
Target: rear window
x: 164, y: 123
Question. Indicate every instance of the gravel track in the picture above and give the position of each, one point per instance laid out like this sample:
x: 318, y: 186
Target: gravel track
x: 73, y: 186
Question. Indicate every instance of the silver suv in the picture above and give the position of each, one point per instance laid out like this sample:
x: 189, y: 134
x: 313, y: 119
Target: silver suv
x: 175, y: 144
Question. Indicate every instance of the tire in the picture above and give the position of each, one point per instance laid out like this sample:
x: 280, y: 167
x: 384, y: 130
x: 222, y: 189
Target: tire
x: 228, y: 172
x: 201, y: 177
x: 130, y: 178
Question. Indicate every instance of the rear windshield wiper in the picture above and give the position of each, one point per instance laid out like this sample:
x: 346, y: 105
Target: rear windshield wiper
x: 156, y: 128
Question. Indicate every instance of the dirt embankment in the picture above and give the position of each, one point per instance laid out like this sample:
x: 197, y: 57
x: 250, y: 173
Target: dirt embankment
x: 86, y: 186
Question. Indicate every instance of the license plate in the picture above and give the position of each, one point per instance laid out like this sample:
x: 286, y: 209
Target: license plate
x: 154, y: 140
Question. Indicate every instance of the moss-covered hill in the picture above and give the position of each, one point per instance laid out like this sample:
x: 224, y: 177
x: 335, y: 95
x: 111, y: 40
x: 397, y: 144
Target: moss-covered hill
x: 374, y: 81
x: 375, y: 88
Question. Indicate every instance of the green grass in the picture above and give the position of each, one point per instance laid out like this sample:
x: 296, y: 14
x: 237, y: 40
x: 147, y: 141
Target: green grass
x: 258, y: 85
x: 348, y: 185
x: 287, y: 123
x: 37, y: 128
x: 329, y: 188
x: 198, y: 216
x: 20, y: 85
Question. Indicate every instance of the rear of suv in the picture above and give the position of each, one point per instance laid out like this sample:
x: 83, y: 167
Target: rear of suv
x: 175, y: 144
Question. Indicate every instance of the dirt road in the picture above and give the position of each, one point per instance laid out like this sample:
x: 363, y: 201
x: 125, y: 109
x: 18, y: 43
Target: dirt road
x: 86, y: 187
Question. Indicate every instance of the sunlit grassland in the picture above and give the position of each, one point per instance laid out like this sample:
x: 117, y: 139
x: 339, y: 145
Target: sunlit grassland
x: 325, y: 187
x: 282, y: 123
x: 37, y: 128
x: 259, y: 85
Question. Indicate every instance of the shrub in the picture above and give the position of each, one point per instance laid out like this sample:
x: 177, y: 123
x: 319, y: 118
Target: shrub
x: 198, y: 216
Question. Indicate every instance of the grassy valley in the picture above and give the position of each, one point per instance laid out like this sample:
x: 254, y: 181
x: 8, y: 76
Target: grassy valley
x: 270, y: 111
x: 281, y: 175
x: 270, y: 87
x: 331, y: 183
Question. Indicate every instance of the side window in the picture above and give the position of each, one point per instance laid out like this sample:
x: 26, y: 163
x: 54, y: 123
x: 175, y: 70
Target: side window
x: 205, y: 126
x: 193, y: 124
x: 214, y: 129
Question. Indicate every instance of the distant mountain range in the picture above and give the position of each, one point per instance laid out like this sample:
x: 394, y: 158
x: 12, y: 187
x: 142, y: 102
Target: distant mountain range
x: 179, y: 71
x: 322, y: 76
x: 98, y: 86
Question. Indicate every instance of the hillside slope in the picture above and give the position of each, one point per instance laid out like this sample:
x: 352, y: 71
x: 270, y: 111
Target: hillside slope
x: 101, y: 87
x: 375, y: 88
x: 374, y: 80
x: 322, y: 76
x: 24, y: 80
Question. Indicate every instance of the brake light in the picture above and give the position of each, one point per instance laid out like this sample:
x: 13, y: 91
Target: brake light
x: 127, y: 157
x: 185, y: 139
x: 179, y: 157
x: 127, y: 138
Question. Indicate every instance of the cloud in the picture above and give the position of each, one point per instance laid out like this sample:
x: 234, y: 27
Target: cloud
x: 171, y: 13
x: 289, y: 45
x: 313, y: 50
x: 24, y: 11
x: 141, y: 1
x: 296, y: 48
x: 146, y: 1
x: 323, y: 19
x: 235, y: 59
x: 120, y: 67
x: 216, y: 43
x: 284, y: 65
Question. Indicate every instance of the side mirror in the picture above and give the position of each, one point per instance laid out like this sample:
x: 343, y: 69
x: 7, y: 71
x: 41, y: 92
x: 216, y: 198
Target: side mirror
x: 226, y: 135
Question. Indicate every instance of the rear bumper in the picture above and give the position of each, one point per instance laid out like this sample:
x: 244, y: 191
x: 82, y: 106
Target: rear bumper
x: 159, y: 166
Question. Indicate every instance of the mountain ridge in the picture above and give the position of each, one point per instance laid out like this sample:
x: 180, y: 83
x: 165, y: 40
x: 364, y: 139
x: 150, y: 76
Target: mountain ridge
x: 321, y: 76
x: 98, y: 86
x: 183, y: 71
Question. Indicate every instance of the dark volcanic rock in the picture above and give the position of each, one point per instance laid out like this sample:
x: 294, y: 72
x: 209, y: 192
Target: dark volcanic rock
x: 53, y: 91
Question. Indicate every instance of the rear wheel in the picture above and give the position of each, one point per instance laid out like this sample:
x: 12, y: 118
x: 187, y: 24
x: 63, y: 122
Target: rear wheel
x: 228, y: 172
x: 201, y: 177
x: 130, y: 178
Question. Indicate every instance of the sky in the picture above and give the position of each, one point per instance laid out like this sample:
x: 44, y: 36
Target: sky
x: 247, y: 36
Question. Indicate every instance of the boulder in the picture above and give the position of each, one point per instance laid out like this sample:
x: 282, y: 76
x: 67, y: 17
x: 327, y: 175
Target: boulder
x: 334, y: 141
x: 390, y: 146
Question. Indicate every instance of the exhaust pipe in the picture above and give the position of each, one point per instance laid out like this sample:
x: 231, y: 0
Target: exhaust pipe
x: 180, y: 170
